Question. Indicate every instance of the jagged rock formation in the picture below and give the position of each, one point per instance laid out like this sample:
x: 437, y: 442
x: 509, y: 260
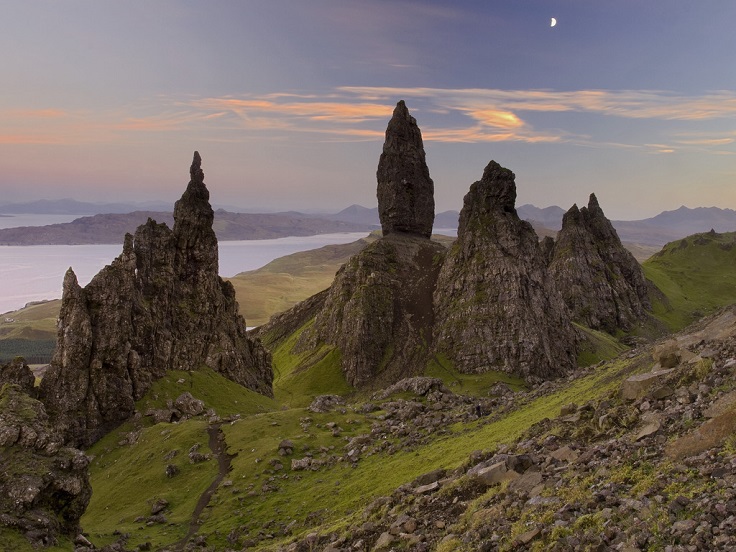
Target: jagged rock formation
x: 601, y: 282
x: 44, y: 486
x: 159, y: 306
x: 378, y: 312
x: 496, y: 307
x: 405, y: 190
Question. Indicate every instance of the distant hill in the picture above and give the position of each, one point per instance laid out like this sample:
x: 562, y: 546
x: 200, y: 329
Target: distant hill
x: 655, y: 231
x: 549, y: 217
x: 111, y: 228
x: 119, y: 218
x: 74, y: 207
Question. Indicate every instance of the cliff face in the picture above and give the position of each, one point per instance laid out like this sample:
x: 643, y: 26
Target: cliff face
x: 159, y: 306
x: 601, y: 282
x: 496, y: 307
x: 379, y: 312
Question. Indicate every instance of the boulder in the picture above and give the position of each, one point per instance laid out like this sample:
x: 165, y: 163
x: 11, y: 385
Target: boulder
x: 17, y: 372
x: 649, y: 384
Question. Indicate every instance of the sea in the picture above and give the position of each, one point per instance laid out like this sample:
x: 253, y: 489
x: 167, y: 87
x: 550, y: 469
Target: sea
x: 36, y: 272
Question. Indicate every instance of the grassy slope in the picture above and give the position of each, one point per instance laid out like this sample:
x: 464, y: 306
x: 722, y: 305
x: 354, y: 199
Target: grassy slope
x: 697, y: 275
x: 121, y: 472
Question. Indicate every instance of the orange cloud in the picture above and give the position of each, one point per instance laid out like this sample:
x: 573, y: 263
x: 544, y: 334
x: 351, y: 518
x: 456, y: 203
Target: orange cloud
x: 316, y: 111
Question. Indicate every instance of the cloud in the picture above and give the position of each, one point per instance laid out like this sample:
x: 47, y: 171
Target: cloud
x: 635, y: 104
x: 467, y: 115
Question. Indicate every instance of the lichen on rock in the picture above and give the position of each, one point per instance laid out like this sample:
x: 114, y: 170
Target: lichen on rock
x: 44, y: 486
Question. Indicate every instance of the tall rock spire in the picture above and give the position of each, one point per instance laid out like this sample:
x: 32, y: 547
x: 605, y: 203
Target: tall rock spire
x: 405, y: 190
x: 378, y: 311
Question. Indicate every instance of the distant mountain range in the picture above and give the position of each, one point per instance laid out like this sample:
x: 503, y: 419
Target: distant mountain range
x: 74, y: 207
x: 109, y: 222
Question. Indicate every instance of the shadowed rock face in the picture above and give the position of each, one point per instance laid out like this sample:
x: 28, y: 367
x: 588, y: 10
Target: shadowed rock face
x: 379, y: 313
x: 159, y: 306
x: 405, y: 190
x: 496, y: 307
x: 44, y: 486
x: 601, y: 282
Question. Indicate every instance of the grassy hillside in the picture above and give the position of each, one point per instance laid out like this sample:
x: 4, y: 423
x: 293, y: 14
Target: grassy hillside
x: 696, y: 275
x: 264, y: 501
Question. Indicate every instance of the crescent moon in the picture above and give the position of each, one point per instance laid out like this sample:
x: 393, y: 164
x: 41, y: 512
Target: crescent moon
x: 553, y: 22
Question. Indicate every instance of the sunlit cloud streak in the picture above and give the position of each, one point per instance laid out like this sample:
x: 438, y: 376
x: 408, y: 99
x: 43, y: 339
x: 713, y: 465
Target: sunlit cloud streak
x: 636, y: 104
x: 360, y: 114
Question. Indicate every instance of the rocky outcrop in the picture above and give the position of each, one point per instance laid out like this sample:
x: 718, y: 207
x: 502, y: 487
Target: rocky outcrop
x: 405, y: 190
x: 159, y: 306
x: 18, y: 373
x: 496, y: 307
x: 601, y: 282
x: 44, y: 486
x: 378, y: 312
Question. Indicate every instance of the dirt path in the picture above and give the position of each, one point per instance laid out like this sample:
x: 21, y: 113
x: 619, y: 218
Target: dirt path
x: 218, y: 447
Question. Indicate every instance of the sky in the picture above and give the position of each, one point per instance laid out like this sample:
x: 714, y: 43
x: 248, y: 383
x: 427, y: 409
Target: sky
x: 287, y: 101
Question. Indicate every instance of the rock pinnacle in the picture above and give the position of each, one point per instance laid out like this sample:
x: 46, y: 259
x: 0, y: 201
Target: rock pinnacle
x: 405, y: 189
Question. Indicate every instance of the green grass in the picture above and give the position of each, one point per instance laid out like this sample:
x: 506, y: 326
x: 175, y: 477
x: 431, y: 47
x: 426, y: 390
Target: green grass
x: 126, y: 479
x: 476, y: 385
x: 15, y: 542
x: 223, y: 395
x: 696, y: 274
x: 300, y: 377
x: 597, y: 346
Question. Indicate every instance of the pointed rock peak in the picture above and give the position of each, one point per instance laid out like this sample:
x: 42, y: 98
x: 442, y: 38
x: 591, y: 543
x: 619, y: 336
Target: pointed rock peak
x: 70, y: 279
x: 572, y: 216
x: 405, y: 190
x: 593, y: 203
x: 501, y: 186
x: 194, y: 209
x: 195, y: 171
x: 196, y: 190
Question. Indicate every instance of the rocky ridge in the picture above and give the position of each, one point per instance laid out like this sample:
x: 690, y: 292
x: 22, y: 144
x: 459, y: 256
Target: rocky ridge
x: 600, y: 281
x: 495, y: 301
x: 160, y: 305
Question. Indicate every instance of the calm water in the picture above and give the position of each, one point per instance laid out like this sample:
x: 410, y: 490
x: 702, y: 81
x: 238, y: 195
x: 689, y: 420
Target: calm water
x: 34, y: 273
